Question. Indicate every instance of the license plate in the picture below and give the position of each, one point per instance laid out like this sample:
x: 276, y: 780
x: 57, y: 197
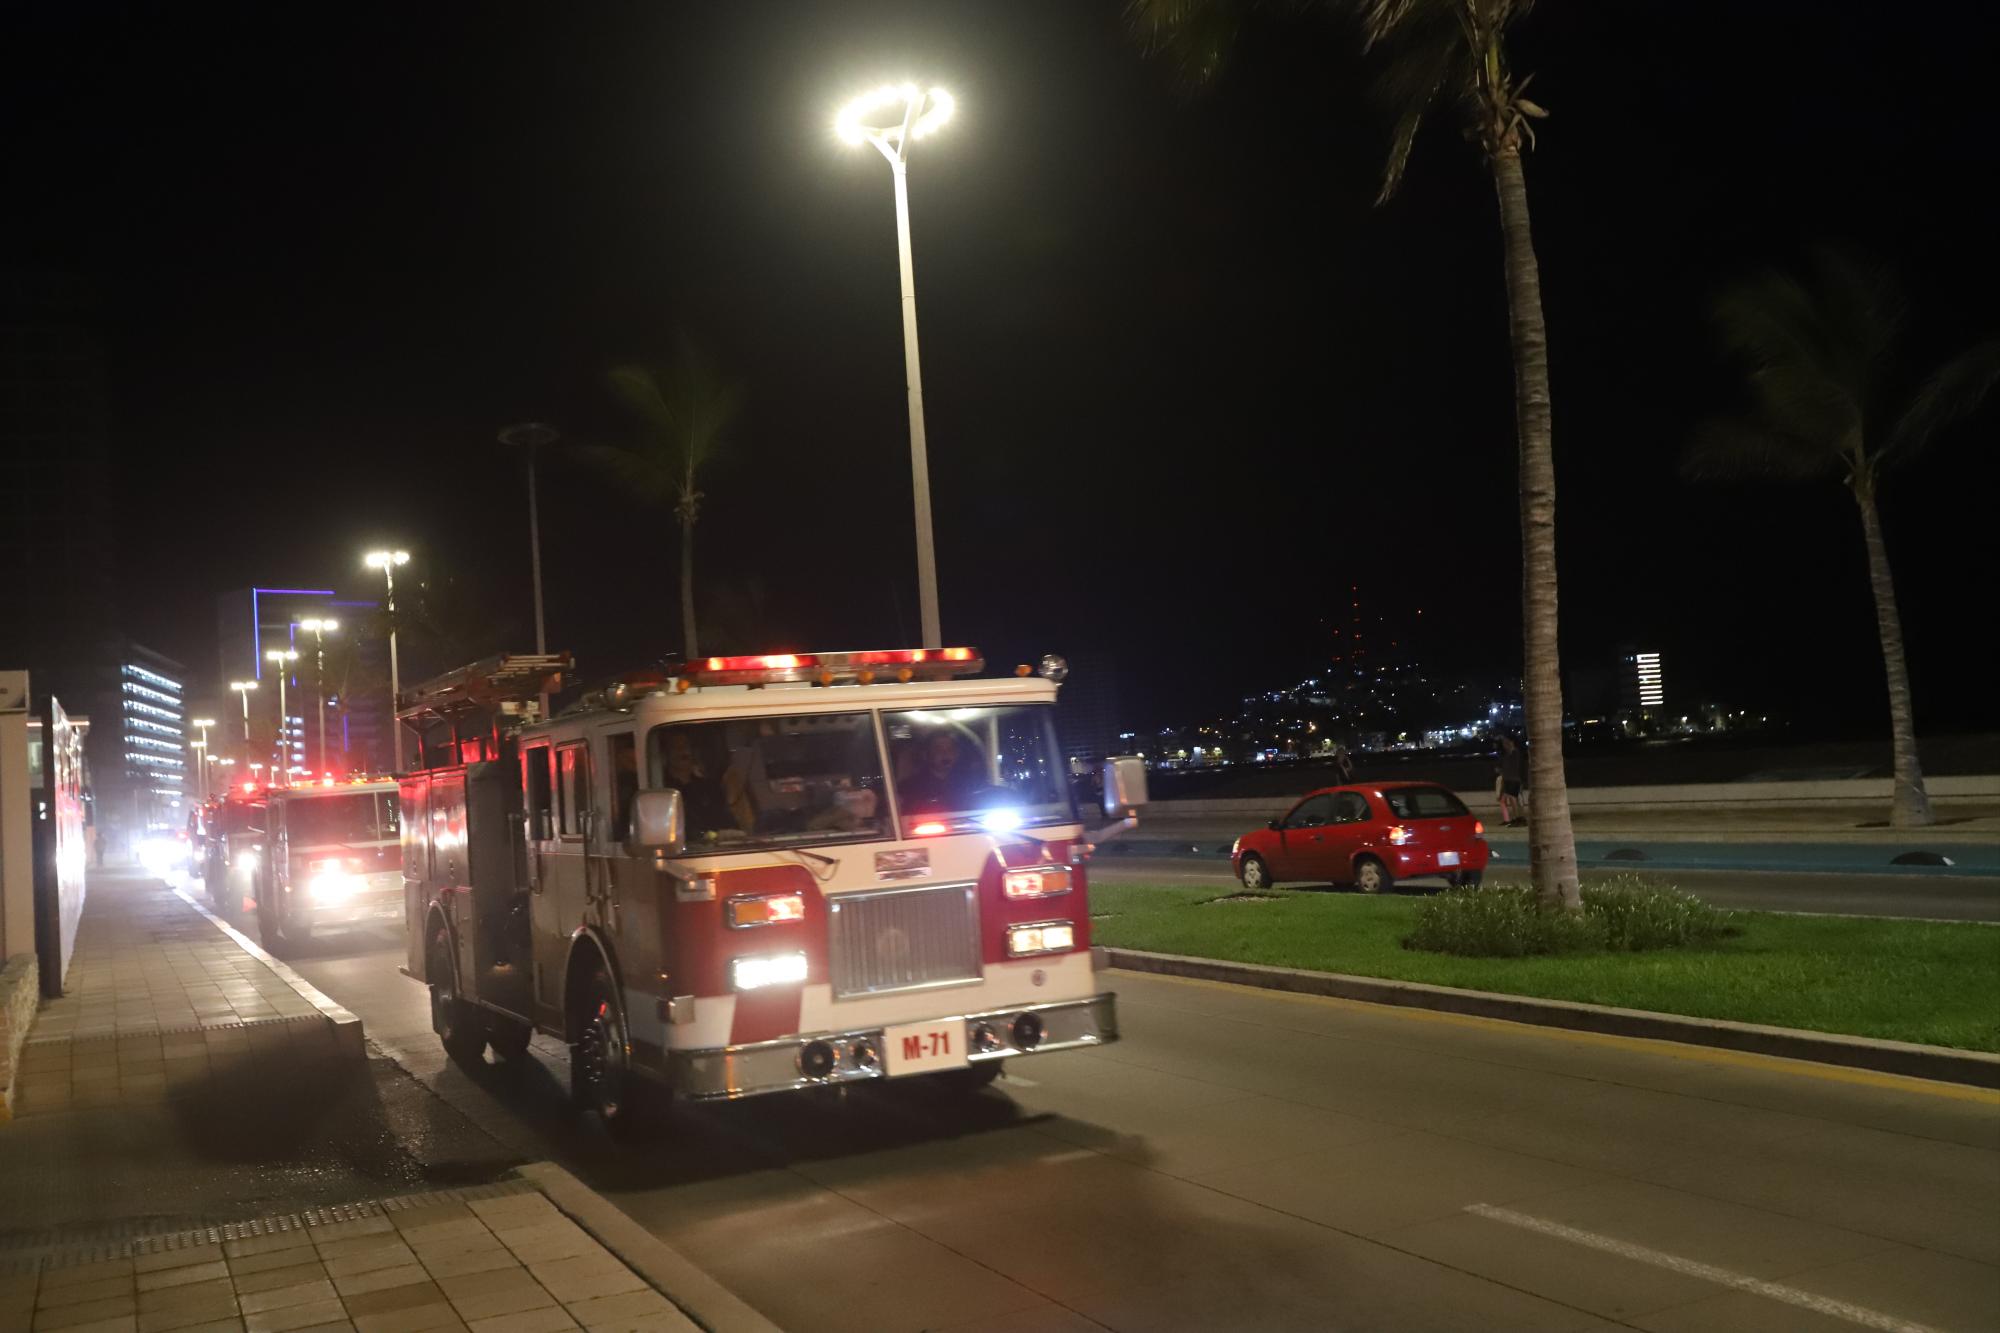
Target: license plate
x: 1447, y: 858
x: 918, y: 1048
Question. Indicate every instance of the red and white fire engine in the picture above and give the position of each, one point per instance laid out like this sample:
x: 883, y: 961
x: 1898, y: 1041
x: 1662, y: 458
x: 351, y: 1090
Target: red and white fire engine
x: 760, y: 874
x: 307, y: 858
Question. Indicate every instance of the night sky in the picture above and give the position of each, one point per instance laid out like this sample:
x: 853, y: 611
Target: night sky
x: 1185, y: 385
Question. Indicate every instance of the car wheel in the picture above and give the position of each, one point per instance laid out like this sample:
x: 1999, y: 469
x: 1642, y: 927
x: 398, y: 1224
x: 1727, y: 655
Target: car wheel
x: 456, y: 1022
x: 1466, y: 879
x: 509, y: 1038
x: 600, y: 1079
x: 1371, y: 876
x: 1256, y: 875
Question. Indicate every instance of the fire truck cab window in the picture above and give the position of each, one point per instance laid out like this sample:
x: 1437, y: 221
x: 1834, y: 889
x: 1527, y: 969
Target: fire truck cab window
x: 772, y: 780
x: 540, y: 791
x: 575, y: 761
x: 995, y: 767
x: 624, y: 783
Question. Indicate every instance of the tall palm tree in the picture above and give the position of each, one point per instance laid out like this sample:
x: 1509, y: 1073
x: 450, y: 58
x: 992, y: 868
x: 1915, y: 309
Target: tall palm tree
x: 688, y: 409
x: 1827, y: 400
x: 1449, y: 58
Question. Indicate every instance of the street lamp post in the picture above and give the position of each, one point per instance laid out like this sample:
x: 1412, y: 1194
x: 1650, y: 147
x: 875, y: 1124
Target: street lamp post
x: 243, y: 688
x: 320, y: 629
x: 201, y: 769
x: 284, y: 657
x: 386, y: 561
x: 910, y: 113
x: 201, y: 778
x: 532, y: 435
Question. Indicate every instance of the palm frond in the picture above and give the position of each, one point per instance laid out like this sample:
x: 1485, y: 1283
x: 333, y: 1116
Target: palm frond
x: 1952, y: 393
x: 651, y: 474
x: 1730, y: 447
x: 1194, y: 37
x: 1413, y: 78
x: 1861, y: 310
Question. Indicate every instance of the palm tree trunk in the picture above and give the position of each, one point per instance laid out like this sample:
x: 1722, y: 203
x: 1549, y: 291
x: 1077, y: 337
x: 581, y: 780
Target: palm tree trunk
x: 691, y: 649
x: 1911, y: 806
x: 1551, y: 840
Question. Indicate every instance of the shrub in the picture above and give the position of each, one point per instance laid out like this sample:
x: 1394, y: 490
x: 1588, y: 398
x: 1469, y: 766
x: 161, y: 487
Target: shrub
x: 1498, y: 922
x: 1637, y: 913
x: 1625, y: 914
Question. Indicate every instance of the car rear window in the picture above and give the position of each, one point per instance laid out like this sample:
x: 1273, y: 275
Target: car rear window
x: 1423, y: 803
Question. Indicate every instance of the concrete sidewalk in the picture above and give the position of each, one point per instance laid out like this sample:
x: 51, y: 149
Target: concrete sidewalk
x: 160, y: 998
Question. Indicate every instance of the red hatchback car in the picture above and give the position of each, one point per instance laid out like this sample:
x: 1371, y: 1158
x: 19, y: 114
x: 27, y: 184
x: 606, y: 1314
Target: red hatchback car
x: 1368, y: 835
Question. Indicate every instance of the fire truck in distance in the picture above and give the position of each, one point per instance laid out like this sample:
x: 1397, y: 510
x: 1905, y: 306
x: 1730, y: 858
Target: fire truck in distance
x: 307, y: 858
x: 761, y: 874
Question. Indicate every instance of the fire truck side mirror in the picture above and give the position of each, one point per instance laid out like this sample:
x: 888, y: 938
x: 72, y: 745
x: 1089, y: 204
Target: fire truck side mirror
x: 1124, y: 785
x: 659, y: 821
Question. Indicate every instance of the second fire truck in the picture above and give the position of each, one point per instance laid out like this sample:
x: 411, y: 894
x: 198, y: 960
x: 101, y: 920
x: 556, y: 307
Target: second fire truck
x: 761, y: 874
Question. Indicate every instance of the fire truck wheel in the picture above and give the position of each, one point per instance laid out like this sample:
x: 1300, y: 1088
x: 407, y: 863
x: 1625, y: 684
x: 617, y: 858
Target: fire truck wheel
x: 457, y: 1025
x: 278, y: 936
x: 509, y: 1039
x: 599, y: 1079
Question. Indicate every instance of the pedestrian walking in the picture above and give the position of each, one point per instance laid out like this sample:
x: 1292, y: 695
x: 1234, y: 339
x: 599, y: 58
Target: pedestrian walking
x: 1343, y: 762
x: 1508, y: 776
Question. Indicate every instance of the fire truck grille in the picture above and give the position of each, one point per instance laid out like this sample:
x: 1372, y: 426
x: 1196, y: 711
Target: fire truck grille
x: 903, y: 939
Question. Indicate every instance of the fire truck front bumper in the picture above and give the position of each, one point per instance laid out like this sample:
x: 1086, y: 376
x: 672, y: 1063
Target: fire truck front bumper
x: 865, y: 1055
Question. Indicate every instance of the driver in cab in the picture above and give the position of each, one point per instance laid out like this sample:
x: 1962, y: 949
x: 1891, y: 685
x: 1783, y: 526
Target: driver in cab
x: 711, y: 805
x: 939, y: 778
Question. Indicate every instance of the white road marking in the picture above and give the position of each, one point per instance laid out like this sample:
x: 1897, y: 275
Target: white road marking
x: 1805, y: 1300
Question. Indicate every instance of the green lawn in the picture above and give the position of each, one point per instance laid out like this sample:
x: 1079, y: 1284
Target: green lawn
x: 1907, y: 980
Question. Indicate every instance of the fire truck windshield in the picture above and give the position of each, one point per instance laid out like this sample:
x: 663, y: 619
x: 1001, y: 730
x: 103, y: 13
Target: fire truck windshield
x: 341, y: 817
x: 994, y: 767
x: 773, y: 780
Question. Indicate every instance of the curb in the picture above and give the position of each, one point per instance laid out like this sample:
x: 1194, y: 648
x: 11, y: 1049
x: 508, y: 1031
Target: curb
x: 700, y: 1296
x: 1942, y: 1063
x: 347, y: 1035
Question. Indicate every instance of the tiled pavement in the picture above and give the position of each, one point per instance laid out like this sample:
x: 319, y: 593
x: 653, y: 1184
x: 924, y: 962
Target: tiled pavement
x: 508, y: 1264
x: 159, y: 999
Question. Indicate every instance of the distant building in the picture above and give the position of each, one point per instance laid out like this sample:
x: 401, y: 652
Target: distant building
x: 1643, y: 682
x: 253, y: 621
x: 138, y: 743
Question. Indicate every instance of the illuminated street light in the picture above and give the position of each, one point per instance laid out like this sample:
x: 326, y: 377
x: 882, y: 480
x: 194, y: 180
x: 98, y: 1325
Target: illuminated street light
x: 890, y: 117
x: 386, y: 561
x: 320, y: 628
x: 283, y: 657
x: 243, y: 688
x: 201, y: 773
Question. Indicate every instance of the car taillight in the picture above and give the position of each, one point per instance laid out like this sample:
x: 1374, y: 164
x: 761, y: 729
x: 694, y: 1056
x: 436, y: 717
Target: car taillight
x: 1042, y: 882
x: 769, y: 909
x: 1399, y: 834
x: 1478, y: 828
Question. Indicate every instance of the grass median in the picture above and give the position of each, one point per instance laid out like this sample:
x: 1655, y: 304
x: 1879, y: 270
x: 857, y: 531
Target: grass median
x: 1868, y: 977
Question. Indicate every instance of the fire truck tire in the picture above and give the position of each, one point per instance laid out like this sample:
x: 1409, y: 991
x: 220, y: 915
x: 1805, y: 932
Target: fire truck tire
x: 278, y: 936
x: 599, y: 1078
x: 508, y: 1038
x: 457, y: 1023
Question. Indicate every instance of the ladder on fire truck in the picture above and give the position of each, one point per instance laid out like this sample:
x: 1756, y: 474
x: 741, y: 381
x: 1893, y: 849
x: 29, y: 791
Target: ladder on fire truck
x: 460, y: 716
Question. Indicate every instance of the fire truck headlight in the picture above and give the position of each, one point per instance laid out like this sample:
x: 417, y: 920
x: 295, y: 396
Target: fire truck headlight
x: 1003, y: 820
x: 1045, y: 882
x: 333, y: 885
x: 771, y: 969
x: 1045, y: 937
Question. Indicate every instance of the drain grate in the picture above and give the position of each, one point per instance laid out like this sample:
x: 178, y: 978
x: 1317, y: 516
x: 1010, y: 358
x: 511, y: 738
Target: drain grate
x: 68, y: 1247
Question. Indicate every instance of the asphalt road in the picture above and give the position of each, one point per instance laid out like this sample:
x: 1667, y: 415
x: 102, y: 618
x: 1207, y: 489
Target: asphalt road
x: 1250, y: 1160
x: 1910, y: 894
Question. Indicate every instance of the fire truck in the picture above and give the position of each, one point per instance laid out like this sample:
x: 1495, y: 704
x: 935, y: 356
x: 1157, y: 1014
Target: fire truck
x: 754, y: 874
x: 308, y: 858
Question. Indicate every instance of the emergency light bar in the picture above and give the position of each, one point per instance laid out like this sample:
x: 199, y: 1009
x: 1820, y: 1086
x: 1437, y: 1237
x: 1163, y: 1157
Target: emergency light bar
x: 825, y: 668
